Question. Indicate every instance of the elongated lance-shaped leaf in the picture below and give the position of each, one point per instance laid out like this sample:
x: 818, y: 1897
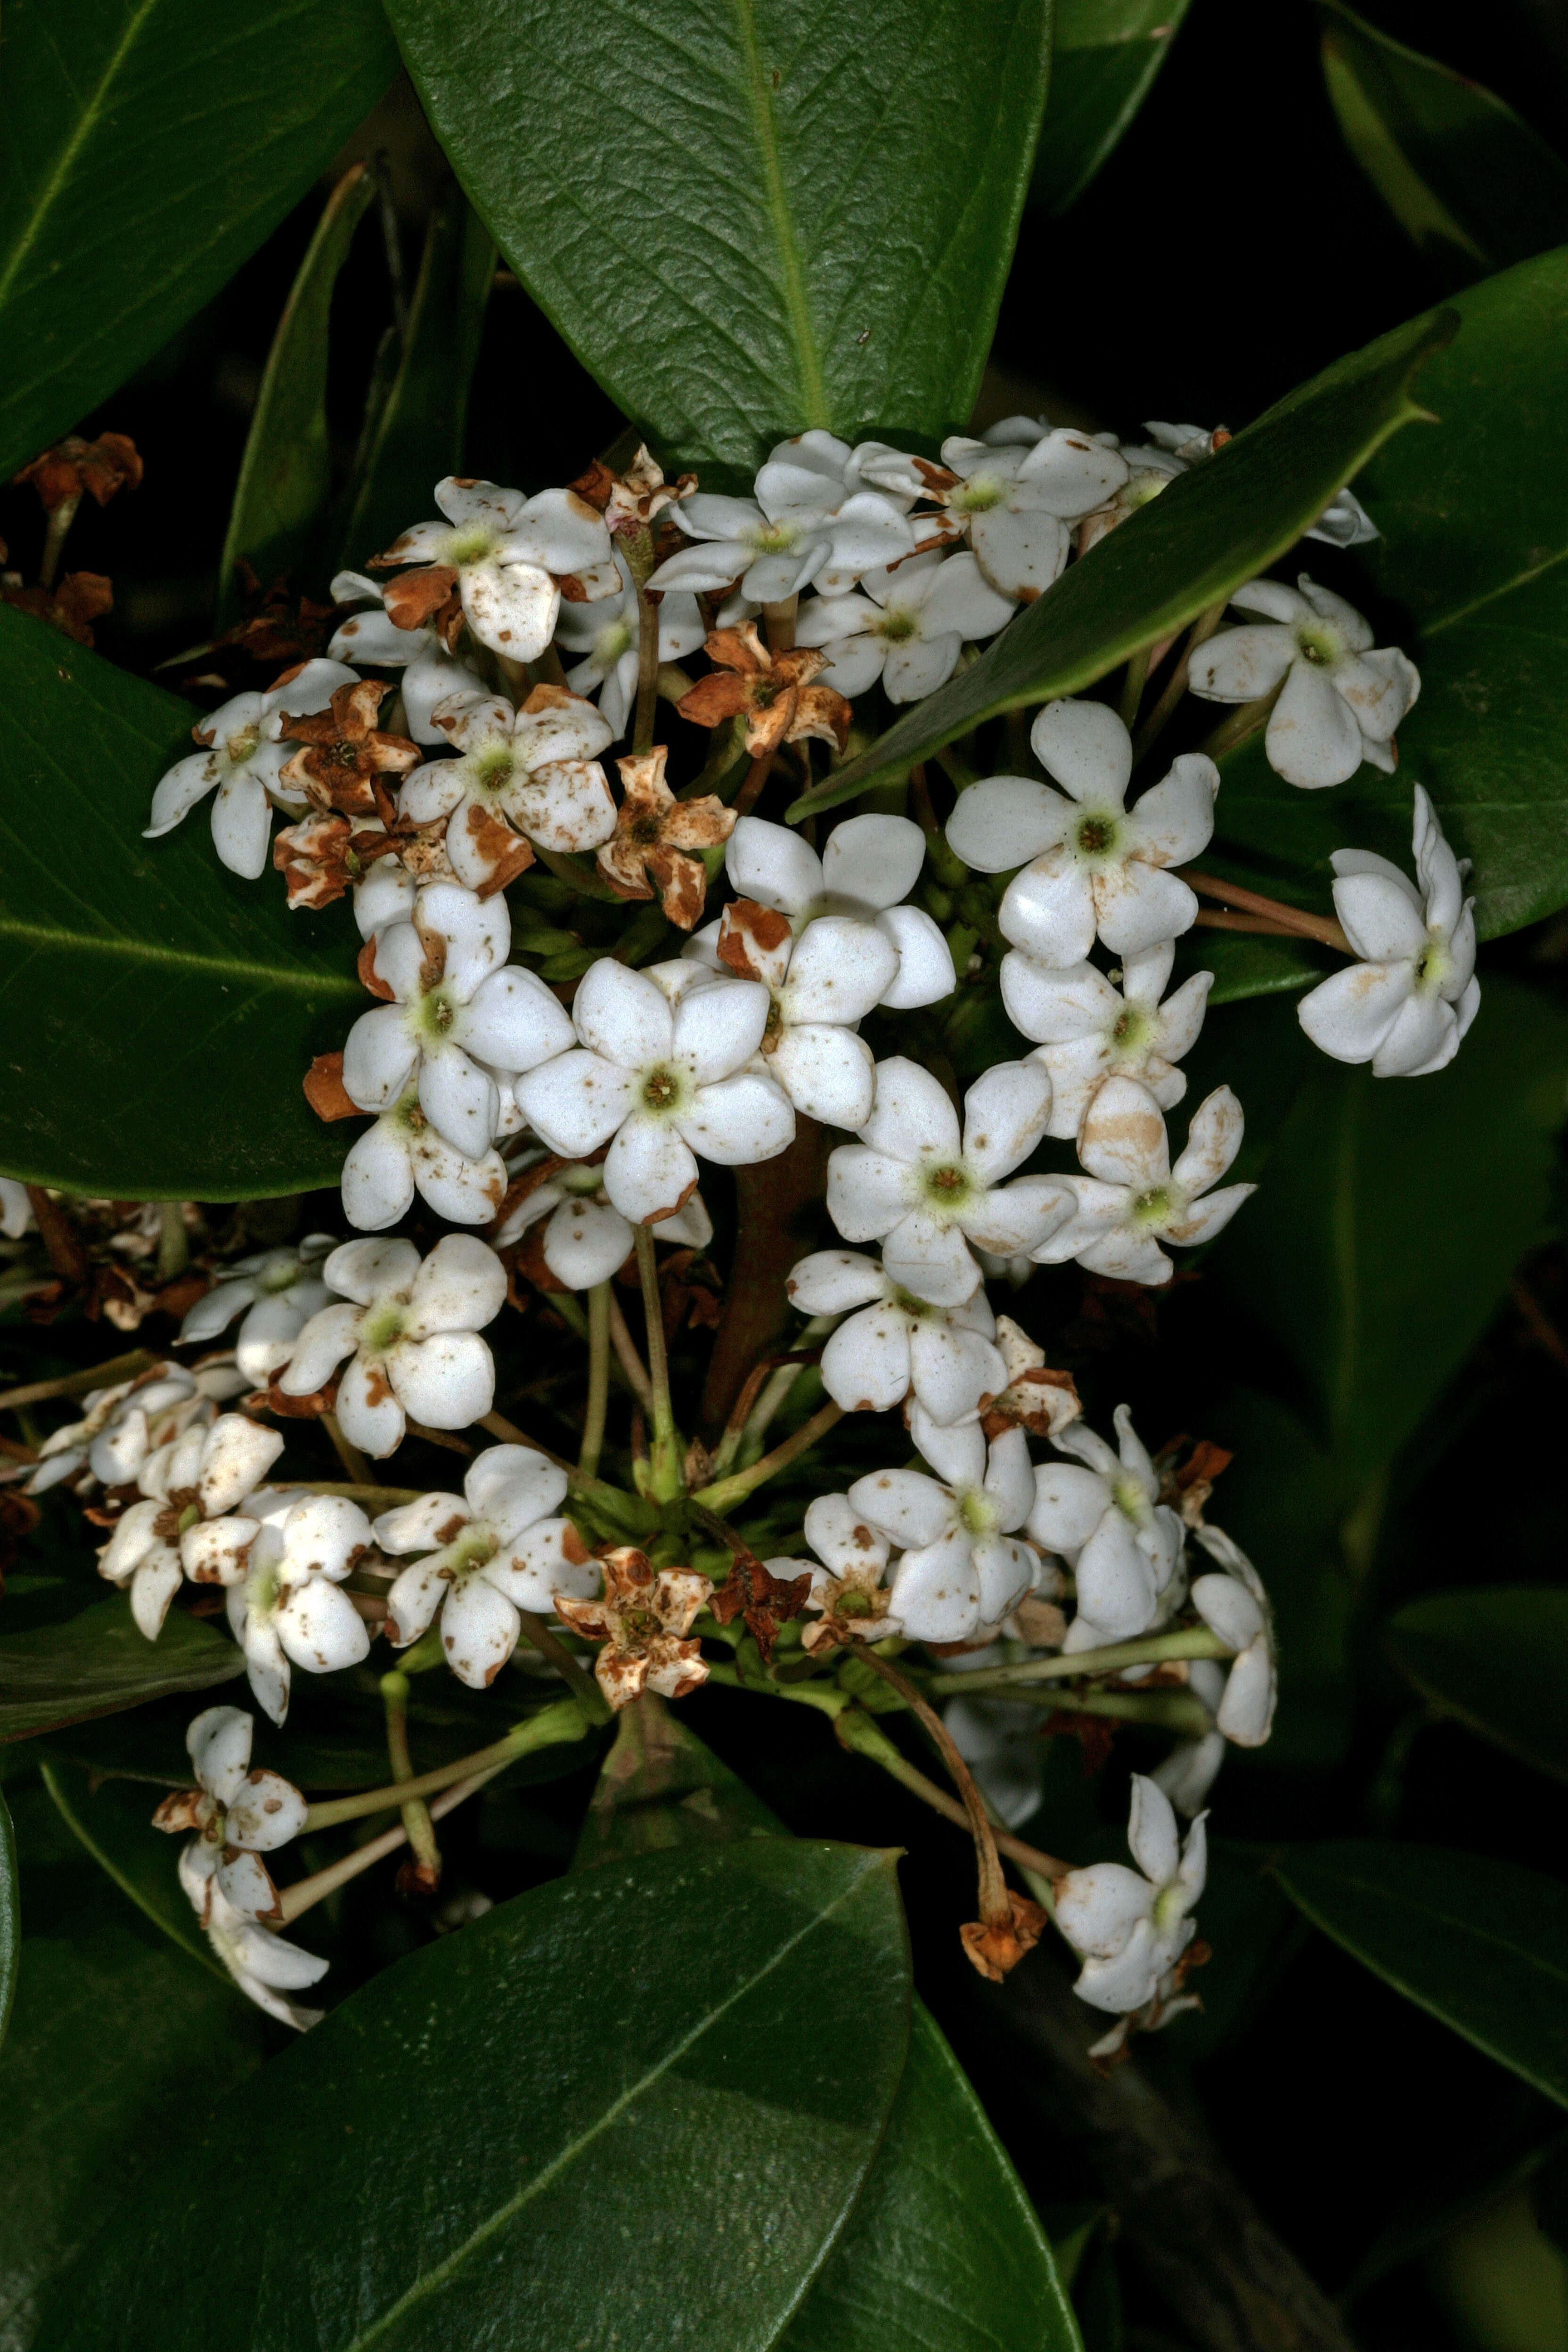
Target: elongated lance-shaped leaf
x: 146, y: 147
x: 285, y: 474
x: 1208, y: 530
x: 158, y: 1012
x: 748, y: 216
x: 1494, y: 1658
x: 96, y: 1662
x: 1105, y: 56
x: 413, y: 431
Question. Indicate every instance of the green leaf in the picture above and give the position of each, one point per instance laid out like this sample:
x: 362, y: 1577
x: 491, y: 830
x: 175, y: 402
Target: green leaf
x: 748, y: 216
x: 144, y: 151
x: 664, y: 2126
x: 97, y: 1662
x: 944, y: 2247
x: 1473, y: 186
x: 660, y: 1787
x: 1482, y: 1944
x: 1245, y: 965
x: 1104, y: 58
x: 415, y: 435
x: 286, y: 473
x: 10, y: 1917
x: 1496, y: 1660
x: 1209, y: 530
x: 1392, y: 1212
x: 117, y: 2044
x: 1473, y: 562
x: 158, y: 1014
x: 114, y: 1819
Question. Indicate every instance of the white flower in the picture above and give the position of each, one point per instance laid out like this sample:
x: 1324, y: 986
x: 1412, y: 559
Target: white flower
x: 661, y: 1069
x: 1130, y: 1926
x: 289, y: 1607
x: 1191, y: 1768
x: 281, y: 1289
x: 510, y: 554
x: 15, y: 1209
x: 457, y: 1005
x: 807, y: 523
x: 587, y: 1239
x: 412, y: 1328
x: 1149, y: 471
x: 822, y: 980
x: 868, y: 864
x: 897, y: 1343
x: 847, y: 1594
x: 238, y: 1814
x: 905, y: 626
x: 1131, y: 1199
x: 123, y: 1424
x: 263, y: 1964
x: 1087, y: 1032
x: 489, y: 1552
x: 1102, y: 1515
x: 522, y: 776
x: 1013, y: 504
x: 911, y: 1185
x: 609, y: 634
x: 243, y: 756
x: 1339, y: 701
x: 1090, y: 865
x: 375, y: 640
x: 961, y: 1567
x: 1233, y: 1604
x: 1407, y: 1003
x: 187, y: 1524
x: 404, y: 1153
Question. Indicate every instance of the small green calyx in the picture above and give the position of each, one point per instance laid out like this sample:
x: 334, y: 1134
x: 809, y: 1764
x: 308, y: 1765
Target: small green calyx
x: 1432, y: 966
x: 918, y: 1310
x: 1095, y: 835
x: 978, y: 495
x: 492, y: 767
x: 1131, y: 1033
x: 776, y: 539
x: 977, y: 1512
x: 663, y: 1090
x: 435, y: 1016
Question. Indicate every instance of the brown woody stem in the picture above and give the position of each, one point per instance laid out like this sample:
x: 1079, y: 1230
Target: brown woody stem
x: 1321, y: 928
x: 864, y: 1736
x: 68, y: 1384
x: 778, y: 1202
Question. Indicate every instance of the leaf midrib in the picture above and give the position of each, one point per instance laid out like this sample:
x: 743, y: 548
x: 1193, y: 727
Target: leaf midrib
x: 759, y: 96
x: 1494, y: 595
x: 149, y: 951
x: 1419, y: 1911
x: 437, y: 2277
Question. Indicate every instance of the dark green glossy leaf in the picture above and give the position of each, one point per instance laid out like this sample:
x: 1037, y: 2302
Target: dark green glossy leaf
x: 117, y: 2045
x: 1212, y: 528
x: 1392, y: 1212
x: 10, y: 1917
x: 944, y: 2247
x: 660, y: 1787
x: 1473, y: 186
x: 1496, y: 1660
x: 1482, y: 1944
x: 415, y: 433
x: 158, y: 1014
x: 1244, y: 964
x: 1473, y: 566
x: 643, y: 2044
x: 285, y: 474
x: 97, y: 1662
x: 1105, y: 54
x: 748, y: 216
x: 113, y: 1821
x: 146, y: 147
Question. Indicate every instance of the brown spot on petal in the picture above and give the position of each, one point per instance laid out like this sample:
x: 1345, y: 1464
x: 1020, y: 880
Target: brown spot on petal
x: 414, y: 597
x: 506, y: 853
x: 746, y: 926
x: 370, y: 978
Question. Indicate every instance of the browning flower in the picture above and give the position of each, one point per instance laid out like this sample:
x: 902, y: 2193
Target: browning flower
x: 640, y: 1617
x: 650, y: 852
x: 772, y: 690
x: 75, y: 468
x: 344, y: 754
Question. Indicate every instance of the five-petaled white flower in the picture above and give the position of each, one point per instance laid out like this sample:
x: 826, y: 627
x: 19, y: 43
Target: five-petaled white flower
x: 243, y: 756
x: 493, y: 1550
x: 521, y: 776
x: 375, y: 640
x: 1086, y: 1031
x: 897, y: 1343
x: 1339, y: 700
x: 930, y: 1200
x: 238, y: 1814
x: 905, y: 626
x: 960, y: 1566
x: 848, y: 1596
x: 186, y: 1523
x: 1130, y: 1926
x: 1407, y: 1003
x: 458, y: 1006
x: 606, y: 636
x: 809, y: 520
x: 277, y: 1291
x: 264, y: 1965
x: 1131, y: 1198
x: 1014, y: 503
x: 587, y: 1239
x: 1102, y: 1515
x: 869, y: 865
x: 290, y: 1605
x: 403, y: 1153
x: 1232, y: 1603
x: 662, y: 1068
x: 411, y: 1327
x: 507, y: 556
x: 822, y: 980
x: 1090, y: 865
x: 123, y: 1424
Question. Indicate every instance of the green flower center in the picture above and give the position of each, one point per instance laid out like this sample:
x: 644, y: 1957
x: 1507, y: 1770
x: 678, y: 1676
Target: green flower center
x: 664, y: 1089
x: 434, y: 1016
x: 471, y: 544
x: 261, y: 1596
x: 897, y: 626
x: 977, y: 1512
x: 1432, y: 966
x: 189, y: 1517
x: 581, y: 1183
x: 1152, y: 1208
x: 1131, y: 1032
x: 1130, y: 1499
x: 241, y: 746
x: 918, y: 1310
x: 773, y: 539
x: 472, y: 1550
x: 1095, y: 835
x: 1170, y: 1907
x: 491, y: 768
x: 978, y: 495
x: 274, y: 1279
x: 407, y: 1114
x: 1320, y: 644
x: 1142, y: 487
x: 948, y: 1187
x: 854, y: 1601
x: 382, y: 1327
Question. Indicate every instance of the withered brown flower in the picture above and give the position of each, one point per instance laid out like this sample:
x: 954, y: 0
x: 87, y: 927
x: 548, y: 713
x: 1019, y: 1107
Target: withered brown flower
x: 773, y: 692
x: 650, y: 850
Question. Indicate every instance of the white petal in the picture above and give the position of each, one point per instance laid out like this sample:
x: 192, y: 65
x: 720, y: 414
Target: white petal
x: 323, y: 1536
x: 186, y: 782
x: 153, y: 1586
x: 1069, y: 1503
x: 828, y: 1074
x: 913, y: 1115
x: 1151, y: 1832
x: 265, y: 1810
x: 1004, y: 1115
x: 1086, y: 747
x: 448, y: 1381
x: 873, y: 860
x: 925, y: 972
x: 865, y: 1363
x: 1005, y: 1570
x: 214, y: 1551
x: 649, y: 1170
x: 515, y: 1022
x: 480, y: 1631
x: 1137, y: 906
x: 1228, y: 1609
x: 1020, y: 554
x: 378, y: 1179
x: 772, y: 864
x: 842, y: 1535
x: 1098, y: 1909
x: 1174, y: 819
x: 510, y: 608
x: 1010, y: 1478
x: 1048, y: 909
x: 1240, y: 664
x: 511, y: 1486
x: 1123, y: 1140
x: 719, y: 1027
x: 1117, y: 1587
x: 1053, y: 1004
x: 952, y: 1370
x: 218, y: 1743
x: 1312, y: 738
x: 931, y: 1259
x: 1382, y: 919
x: 1425, y: 1036
x: 459, y: 1099
x: 242, y: 824
x: 623, y: 1016
x: 1246, y: 1710
x: 379, y: 1058
x: 461, y: 1286
x: 578, y: 1101
x: 368, y: 1415
x: 868, y: 1193
x: 840, y: 970
x: 832, y: 1282
x: 585, y: 1241
x: 1349, y: 1014
x: 936, y: 1588
x: 1004, y: 822
x: 956, y: 1454
x: 905, y: 1506
x: 739, y: 1122
x: 363, y: 1270
x: 235, y: 1454
x: 1214, y: 1138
